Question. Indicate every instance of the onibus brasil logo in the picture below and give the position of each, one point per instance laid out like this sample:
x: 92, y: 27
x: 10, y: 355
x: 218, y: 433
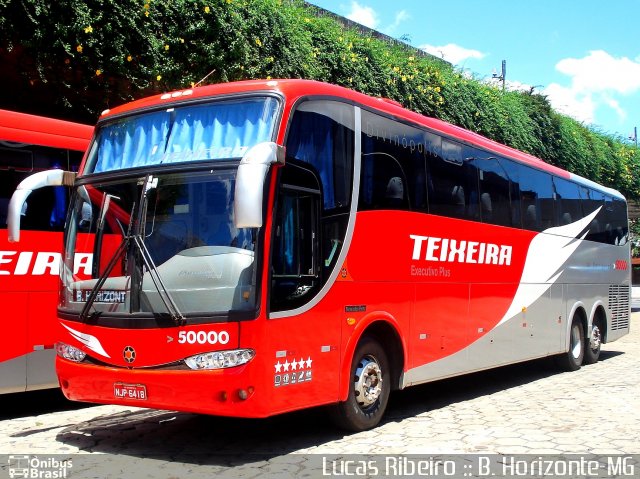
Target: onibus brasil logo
x: 38, y: 468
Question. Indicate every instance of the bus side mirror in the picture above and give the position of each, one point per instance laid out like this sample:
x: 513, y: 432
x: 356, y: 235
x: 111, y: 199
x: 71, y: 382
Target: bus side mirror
x: 252, y: 172
x: 19, y: 198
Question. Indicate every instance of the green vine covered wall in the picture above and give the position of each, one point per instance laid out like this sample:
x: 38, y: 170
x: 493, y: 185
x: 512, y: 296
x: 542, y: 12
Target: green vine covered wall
x: 74, y: 58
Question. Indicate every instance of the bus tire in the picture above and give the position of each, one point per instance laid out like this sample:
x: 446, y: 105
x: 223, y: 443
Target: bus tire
x: 594, y: 343
x: 368, y: 389
x: 572, y: 359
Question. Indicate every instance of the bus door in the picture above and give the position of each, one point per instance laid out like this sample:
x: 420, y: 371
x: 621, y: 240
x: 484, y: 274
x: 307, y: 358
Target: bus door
x: 303, y: 340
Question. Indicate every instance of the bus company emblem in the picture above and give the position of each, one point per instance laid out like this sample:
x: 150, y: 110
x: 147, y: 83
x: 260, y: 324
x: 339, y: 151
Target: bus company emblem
x: 448, y: 250
x: 129, y: 354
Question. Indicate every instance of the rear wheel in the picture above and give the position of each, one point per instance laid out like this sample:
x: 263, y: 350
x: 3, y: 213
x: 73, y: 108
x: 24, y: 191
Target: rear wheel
x: 592, y: 350
x: 572, y: 359
x: 369, y: 388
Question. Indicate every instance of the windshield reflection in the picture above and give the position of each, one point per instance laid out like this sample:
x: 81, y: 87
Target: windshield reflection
x: 162, y: 244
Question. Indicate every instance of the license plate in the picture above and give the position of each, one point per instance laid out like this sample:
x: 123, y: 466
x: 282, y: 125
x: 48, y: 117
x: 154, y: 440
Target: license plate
x: 129, y: 391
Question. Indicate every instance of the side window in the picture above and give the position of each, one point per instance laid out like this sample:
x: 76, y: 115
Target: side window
x: 453, y: 183
x: 295, y: 261
x: 46, y: 208
x: 616, y: 226
x: 393, y: 172
x: 536, y: 199
x: 568, y: 202
x: 597, y: 226
x: 610, y: 225
x: 320, y: 147
x: 322, y: 135
x: 496, y: 185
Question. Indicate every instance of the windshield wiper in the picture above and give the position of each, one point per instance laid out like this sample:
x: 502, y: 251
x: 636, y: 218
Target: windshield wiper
x: 84, y: 314
x: 163, y: 292
x: 151, y: 183
x: 138, y: 241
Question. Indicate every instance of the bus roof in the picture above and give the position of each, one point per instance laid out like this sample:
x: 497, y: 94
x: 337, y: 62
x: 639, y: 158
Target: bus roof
x: 295, y: 89
x: 43, y: 131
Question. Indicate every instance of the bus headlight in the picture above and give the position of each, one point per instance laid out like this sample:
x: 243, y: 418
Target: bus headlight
x: 69, y: 352
x: 220, y: 359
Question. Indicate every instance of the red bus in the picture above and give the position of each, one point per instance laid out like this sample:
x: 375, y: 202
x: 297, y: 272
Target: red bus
x: 266, y: 246
x: 29, y: 271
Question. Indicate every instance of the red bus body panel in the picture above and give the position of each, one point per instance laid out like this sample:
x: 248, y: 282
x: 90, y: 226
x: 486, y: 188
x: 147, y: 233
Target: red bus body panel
x: 38, y: 130
x: 29, y: 270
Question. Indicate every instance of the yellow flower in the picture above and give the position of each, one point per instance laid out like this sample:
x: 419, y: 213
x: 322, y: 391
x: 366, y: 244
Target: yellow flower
x: 207, y: 9
x: 129, y: 58
x: 88, y: 29
x: 166, y: 47
x: 159, y: 77
x: 182, y: 40
x: 147, y: 6
x: 146, y: 13
x: 258, y: 42
x: 79, y: 48
x: 98, y: 72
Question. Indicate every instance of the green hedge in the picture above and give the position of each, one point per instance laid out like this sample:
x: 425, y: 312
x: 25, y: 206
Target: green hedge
x: 74, y: 58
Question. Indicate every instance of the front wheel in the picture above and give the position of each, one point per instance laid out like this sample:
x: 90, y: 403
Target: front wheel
x: 572, y: 359
x: 368, y: 389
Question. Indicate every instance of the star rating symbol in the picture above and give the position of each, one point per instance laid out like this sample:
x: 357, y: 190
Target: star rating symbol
x: 294, y: 365
x: 286, y: 365
x: 309, y: 361
x: 301, y: 364
x: 278, y: 366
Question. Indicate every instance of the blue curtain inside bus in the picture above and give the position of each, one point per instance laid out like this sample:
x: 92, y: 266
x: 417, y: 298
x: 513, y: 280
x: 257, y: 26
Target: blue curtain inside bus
x: 196, y: 133
x: 311, y: 140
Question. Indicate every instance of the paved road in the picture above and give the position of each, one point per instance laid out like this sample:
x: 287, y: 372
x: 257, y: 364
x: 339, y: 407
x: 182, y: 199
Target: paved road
x: 527, y: 408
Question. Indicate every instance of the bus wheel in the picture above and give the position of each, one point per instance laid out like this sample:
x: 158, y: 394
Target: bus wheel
x: 368, y: 390
x: 572, y: 359
x: 592, y: 350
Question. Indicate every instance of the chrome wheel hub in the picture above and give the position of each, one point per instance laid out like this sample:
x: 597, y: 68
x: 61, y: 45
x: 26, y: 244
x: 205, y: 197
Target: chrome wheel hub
x: 596, y: 338
x: 368, y: 382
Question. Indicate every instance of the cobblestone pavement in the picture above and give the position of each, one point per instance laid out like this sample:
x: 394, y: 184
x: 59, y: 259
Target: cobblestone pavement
x: 527, y: 408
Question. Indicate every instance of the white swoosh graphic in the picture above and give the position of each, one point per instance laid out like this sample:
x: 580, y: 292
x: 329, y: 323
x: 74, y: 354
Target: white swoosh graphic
x: 88, y: 340
x: 548, y: 252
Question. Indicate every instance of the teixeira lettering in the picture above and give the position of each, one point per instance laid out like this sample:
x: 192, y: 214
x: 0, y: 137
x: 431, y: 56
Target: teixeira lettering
x: 20, y: 263
x: 431, y: 248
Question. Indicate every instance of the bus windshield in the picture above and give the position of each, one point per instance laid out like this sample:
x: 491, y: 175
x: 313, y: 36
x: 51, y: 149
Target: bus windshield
x: 192, y: 133
x: 163, y: 244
